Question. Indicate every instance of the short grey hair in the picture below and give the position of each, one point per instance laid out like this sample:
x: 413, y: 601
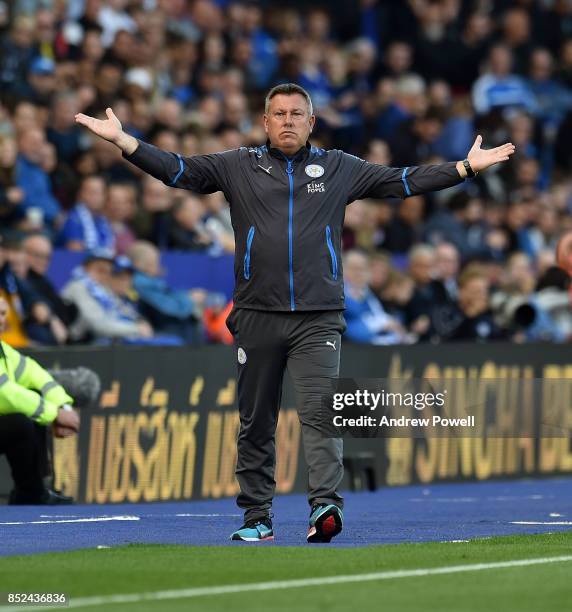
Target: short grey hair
x: 288, y: 89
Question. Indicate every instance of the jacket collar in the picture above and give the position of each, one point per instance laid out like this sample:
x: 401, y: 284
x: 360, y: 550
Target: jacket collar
x: 302, y: 153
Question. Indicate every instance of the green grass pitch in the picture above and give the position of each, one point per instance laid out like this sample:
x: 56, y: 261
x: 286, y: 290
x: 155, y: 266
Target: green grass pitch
x: 137, y: 569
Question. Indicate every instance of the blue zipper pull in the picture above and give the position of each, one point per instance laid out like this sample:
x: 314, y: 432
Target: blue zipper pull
x: 289, y: 169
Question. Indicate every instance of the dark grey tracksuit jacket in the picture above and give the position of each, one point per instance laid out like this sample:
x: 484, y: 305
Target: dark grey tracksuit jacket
x: 287, y: 215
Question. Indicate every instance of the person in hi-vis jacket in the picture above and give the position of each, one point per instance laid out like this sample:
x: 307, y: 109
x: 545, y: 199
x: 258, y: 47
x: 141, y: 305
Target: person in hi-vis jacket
x: 287, y: 202
x: 30, y: 400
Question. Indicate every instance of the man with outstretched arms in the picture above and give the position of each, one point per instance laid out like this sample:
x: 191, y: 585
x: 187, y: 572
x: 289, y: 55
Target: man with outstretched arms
x: 287, y: 201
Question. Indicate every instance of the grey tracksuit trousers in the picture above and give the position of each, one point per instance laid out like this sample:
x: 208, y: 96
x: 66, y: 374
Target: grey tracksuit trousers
x: 308, y: 345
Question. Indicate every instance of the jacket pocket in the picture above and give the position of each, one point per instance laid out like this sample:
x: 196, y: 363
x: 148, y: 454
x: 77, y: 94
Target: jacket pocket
x: 249, y: 239
x: 333, y: 257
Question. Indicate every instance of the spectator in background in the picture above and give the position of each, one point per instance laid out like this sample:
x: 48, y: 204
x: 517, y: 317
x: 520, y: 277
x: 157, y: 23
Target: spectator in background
x: 218, y: 222
x: 398, y: 101
x: 403, y: 231
x: 26, y: 116
x: 367, y: 321
x: 516, y: 31
x: 121, y: 284
x: 379, y: 272
x: 16, y: 52
x: 564, y: 72
x: 41, y: 324
x: 516, y: 307
x: 515, y: 228
x: 553, y: 99
x: 63, y: 131
x: 552, y: 295
x: 397, y: 60
x: 499, y: 87
x: 38, y: 251
x: 152, y: 220
x: 473, y: 320
x: 28, y: 315
x: 427, y: 293
x: 85, y: 227
x: 187, y: 232
x: 447, y: 266
x: 414, y: 140
x: 120, y: 209
x: 397, y: 293
x: 39, y: 204
x: 543, y: 233
x: 11, y: 196
x: 460, y: 223
x: 171, y: 311
x: 102, y: 317
x: 40, y: 85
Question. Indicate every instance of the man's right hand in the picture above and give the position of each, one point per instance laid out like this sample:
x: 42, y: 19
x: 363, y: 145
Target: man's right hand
x: 66, y: 423
x: 110, y: 129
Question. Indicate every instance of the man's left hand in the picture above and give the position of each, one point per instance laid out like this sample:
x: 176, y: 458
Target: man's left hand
x: 481, y: 159
x: 66, y: 423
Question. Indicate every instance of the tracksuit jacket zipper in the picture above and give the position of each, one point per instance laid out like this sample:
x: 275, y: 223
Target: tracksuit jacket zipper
x: 290, y: 172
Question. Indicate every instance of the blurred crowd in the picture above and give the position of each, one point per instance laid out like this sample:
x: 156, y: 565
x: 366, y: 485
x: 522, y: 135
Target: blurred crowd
x: 396, y: 82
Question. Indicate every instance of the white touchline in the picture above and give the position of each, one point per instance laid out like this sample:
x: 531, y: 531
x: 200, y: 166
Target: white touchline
x: 204, y: 515
x: 82, y: 602
x: 89, y: 519
x: 541, y: 522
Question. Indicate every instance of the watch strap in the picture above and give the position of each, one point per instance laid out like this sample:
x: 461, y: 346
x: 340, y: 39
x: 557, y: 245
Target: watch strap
x: 469, y: 169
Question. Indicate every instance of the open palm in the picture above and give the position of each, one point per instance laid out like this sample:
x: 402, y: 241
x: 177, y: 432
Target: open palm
x: 481, y: 159
x: 109, y: 128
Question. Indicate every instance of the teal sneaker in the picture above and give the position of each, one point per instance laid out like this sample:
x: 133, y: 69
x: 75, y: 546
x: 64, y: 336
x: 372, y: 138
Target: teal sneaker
x: 326, y: 521
x: 255, y: 530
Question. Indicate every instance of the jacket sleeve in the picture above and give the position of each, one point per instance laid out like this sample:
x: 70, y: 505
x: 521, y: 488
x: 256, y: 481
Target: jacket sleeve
x: 367, y: 180
x: 33, y: 392
x: 198, y: 173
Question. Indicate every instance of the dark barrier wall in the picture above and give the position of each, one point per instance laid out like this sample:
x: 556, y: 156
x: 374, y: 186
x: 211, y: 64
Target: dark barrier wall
x: 166, y: 424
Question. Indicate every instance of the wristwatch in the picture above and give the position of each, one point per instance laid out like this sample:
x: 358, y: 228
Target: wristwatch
x: 470, y: 172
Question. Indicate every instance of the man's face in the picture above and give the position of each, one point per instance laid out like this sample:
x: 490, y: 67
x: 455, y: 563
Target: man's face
x: 120, y: 204
x: 288, y: 122
x: 3, y: 314
x: 152, y: 265
x: 38, y: 253
x: 100, y: 271
x: 32, y: 145
x: 356, y: 268
x: 92, y: 194
x: 474, y: 297
x: 121, y: 283
x: 156, y: 196
x: 190, y: 213
x: 421, y: 268
x: 447, y: 261
x: 18, y: 261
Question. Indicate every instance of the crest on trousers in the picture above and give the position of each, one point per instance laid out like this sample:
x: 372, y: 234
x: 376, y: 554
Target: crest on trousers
x: 241, y: 355
x: 314, y: 170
